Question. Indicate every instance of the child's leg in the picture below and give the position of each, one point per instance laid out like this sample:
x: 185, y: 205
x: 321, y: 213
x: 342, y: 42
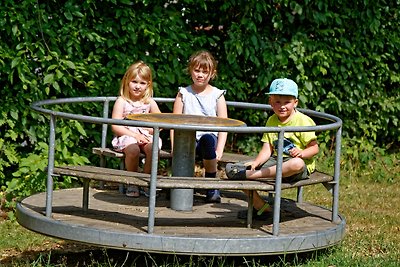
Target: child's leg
x: 289, y: 168
x: 147, y: 150
x: 258, y: 201
x: 210, y: 166
x: 132, y: 152
x: 206, y: 151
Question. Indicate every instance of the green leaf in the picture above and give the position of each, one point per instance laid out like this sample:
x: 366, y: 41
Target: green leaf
x: 15, y: 29
x: 68, y: 15
x: 70, y: 64
x: 15, y: 62
x: 79, y: 127
x: 14, y: 114
x: 78, y: 14
x: 49, y: 78
x: 56, y: 86
x: 52, y: 67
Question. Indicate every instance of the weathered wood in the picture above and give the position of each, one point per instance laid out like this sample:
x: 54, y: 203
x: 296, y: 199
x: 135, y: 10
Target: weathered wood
x: 226, y: 158
x: 141, y: 179
x: 234, y: 158
x: 185, y: 119
x: 114, y: 154
x: 112, y: 211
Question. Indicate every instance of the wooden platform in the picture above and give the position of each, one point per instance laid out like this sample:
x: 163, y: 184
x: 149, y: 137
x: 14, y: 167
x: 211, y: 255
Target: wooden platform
x: 116, y: 221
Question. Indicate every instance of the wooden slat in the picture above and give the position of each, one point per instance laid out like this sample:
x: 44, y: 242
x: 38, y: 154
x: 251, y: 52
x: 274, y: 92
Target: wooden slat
x: 234, y: 158
x: 141, y: 179
x: 112, y: 153
x: 226, y: 158
x: 107, y: 152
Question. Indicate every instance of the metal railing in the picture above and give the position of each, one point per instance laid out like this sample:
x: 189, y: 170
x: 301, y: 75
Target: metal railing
x: 333, y: 123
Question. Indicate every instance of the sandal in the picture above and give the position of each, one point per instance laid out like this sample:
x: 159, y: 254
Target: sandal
x: 132, y: 191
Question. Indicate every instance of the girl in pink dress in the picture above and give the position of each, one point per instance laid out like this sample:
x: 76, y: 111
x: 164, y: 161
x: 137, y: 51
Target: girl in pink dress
x: 136, y: 93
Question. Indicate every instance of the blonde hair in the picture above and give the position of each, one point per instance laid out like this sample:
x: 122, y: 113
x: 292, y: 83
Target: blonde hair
x: 144, y: 72
x: 204, y: 60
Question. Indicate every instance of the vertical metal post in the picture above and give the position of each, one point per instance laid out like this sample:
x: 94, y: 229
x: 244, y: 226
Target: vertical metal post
x: 336, y: 175
x: 278, y: 185
x: 250, y: 209
x: 104, y: 126
x: 300, y: 194
x: 104, y: 137
x: 85, y: 197
x: 153, y: 180
x: 50, y: 166
x: 183, y: 165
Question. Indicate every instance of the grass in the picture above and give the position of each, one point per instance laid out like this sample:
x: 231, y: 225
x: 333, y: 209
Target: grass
x: 369, y: 201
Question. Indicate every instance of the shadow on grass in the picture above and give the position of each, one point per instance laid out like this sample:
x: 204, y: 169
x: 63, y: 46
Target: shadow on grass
x: 72, y: 254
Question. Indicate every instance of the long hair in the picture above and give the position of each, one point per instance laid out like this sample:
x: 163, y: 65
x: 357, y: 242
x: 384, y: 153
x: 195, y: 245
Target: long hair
x: 144, y: 72
x: 204, y: 60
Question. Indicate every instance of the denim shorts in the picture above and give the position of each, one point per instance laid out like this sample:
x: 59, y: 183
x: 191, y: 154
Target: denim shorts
x: 272, y: 161
x: 205, y: 147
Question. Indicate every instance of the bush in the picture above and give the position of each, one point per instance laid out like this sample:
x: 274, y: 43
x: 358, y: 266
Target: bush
x: 343, y: 54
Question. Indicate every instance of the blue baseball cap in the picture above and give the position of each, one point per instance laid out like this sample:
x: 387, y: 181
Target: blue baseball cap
x: 283, y: 86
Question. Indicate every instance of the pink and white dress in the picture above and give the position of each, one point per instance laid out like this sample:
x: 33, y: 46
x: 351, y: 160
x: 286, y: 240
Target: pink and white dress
x: 119, y: 143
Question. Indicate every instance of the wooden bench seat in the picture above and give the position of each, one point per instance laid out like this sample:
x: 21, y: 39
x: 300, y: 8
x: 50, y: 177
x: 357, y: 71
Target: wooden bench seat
x: 141, y: 179
x: 108, y: 152
x: 123, y: 177
x: 226, y: 158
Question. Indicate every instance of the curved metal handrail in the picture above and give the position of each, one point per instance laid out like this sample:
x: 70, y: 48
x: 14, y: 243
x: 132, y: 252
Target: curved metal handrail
x: 333, y: 123
x: 38, y: 106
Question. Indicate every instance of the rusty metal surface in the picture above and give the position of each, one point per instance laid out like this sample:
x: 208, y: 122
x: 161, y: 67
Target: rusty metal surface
x: 185, y: 119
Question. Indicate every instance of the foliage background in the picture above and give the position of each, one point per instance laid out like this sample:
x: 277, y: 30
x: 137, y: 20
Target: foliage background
x: 343, y: 54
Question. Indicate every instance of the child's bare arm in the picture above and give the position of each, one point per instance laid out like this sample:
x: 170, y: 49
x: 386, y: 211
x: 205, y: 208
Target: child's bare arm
x: 154, y: 107
x: 222, y: 112
x: 177, y: 109
x: 117, y: 113
x: 262, y: 156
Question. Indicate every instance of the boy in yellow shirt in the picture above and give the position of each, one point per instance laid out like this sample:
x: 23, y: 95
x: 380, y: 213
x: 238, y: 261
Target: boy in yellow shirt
x: 299, y: 147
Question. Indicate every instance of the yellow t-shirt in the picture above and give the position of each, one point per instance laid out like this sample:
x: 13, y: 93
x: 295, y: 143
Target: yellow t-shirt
x: 299, y: 139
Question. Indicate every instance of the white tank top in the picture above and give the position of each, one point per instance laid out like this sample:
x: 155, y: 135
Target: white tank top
x: 204, y: 105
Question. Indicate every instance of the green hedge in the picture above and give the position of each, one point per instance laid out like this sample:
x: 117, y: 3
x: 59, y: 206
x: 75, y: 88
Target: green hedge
x: 343, y: 54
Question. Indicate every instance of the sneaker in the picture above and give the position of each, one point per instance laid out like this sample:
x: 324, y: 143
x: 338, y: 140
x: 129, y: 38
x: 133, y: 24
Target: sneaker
x: 235, y: 171
x: 146, y: 192
x: 213, y: 196
x: 132, y: 191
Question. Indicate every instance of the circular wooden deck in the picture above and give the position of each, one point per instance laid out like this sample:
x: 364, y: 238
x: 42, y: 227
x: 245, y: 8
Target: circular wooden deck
x: 116, y: 221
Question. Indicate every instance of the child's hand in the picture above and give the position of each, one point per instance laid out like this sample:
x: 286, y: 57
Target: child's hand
x: 295, y: 152
x: 142, y: 139
x: 150, y: 130
x: 253, y: 166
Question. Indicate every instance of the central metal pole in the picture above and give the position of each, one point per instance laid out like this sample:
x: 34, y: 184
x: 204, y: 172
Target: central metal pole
x: 183, y: 166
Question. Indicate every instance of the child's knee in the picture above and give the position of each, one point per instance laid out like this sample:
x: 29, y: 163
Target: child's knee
x: 148, y: 149
x: 132, y: 150
x: 297, y: 164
